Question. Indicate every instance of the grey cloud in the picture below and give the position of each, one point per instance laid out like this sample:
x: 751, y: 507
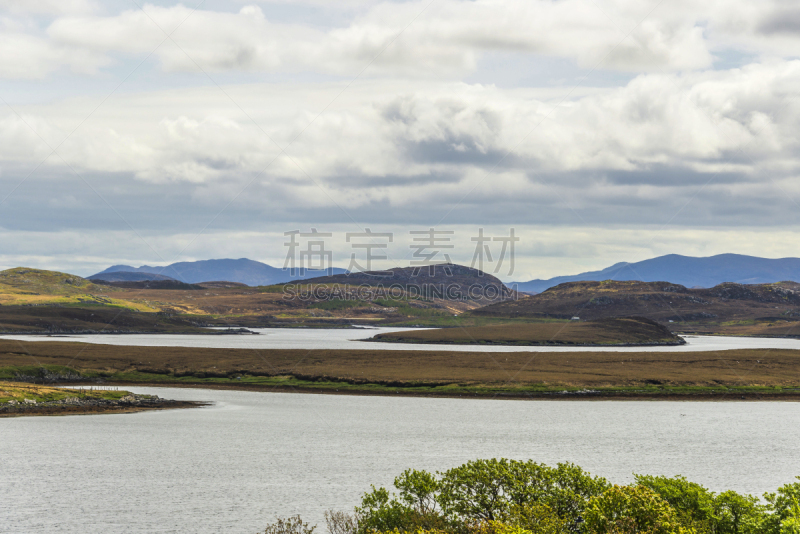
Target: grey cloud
x: 356, y: 178
x: 672, y: 176
x: 457, y: 149
x: 783, y: 21
x: 115, y: 201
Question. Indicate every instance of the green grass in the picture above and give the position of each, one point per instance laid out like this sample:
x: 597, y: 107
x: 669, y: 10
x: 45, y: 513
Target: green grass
x: 271, y: 289
x: 404, y: 308
x: 337, y: 304
x: 18, y: 391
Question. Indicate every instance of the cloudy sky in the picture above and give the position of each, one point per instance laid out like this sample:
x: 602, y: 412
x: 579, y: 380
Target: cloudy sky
x: 600, y: 130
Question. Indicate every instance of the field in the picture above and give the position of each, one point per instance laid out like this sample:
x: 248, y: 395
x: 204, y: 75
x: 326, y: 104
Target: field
x: 723, y: 374
x: 614, y: 331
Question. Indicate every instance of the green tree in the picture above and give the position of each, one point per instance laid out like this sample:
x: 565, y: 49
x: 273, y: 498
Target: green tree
x: 536, y: 518
x: 478, y: 490
x: 488, y: 489
x: 382, y: 513
x: 693, y: 503
x: 737, y: 514
x: 786, y: 512
x: 414, y: 510
x: 791, y: 523
x: 418, y: 490
x: 632, y: 510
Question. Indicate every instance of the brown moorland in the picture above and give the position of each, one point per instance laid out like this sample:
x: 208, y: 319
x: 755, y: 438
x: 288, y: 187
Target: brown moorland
x: 445, y: 370
x: 610, y: 331
x: 766, y: 309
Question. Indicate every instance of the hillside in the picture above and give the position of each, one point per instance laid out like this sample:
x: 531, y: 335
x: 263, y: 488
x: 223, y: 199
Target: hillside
x: 687, y: 271
x: 93, y: 320
x: 445, y: 281
x: 611, y: 331
x: 243, y: 270
x: 24, y: 286
x: 33, y: 300
x: 727, y: 304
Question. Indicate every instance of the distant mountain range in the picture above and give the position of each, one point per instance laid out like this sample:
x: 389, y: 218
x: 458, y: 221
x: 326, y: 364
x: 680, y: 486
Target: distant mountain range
x: 244, y: 271
x: 687, y: 271
x: 128, y: 276
x: 684, y: 270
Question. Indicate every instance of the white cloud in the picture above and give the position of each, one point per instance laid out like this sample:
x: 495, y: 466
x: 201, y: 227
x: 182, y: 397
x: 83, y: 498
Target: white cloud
x: 443, y: 39
x: 408, y: 141
x: 743, y: 120
x: 30, y: 57
x: 48, y: 7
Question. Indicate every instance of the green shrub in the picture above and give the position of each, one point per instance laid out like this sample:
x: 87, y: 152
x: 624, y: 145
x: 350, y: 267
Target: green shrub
x: 632, y: 510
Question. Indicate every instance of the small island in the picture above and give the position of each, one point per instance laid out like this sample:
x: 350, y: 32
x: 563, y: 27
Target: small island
x: 614, y: 331
x: 18, y: 399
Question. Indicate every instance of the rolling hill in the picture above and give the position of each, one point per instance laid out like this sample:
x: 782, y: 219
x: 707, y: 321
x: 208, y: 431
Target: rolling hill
x: 772, y: 309
x: 685, y: 270
x: 444, y: 281
x: 243, y: 270
x: 22, y: 286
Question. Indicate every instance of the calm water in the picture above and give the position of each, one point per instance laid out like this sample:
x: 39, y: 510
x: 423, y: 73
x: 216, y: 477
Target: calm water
x: 307, y: 338
x: 233, y: 466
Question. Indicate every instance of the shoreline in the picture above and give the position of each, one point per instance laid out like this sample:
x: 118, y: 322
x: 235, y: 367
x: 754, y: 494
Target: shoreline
x: 752, y: 374
x: 523, y: 343
x: 581, y: 395
x: 57, y: 411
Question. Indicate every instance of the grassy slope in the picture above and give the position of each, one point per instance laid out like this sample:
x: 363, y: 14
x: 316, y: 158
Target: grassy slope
x: 23, y: 286
x: 19, y: 392
x: 615, y: 331
x: 764, y: 372
x: 108, y: 319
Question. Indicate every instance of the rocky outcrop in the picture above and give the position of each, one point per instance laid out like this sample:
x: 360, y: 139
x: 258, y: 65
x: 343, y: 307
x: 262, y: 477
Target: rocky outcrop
x: 74, y: 405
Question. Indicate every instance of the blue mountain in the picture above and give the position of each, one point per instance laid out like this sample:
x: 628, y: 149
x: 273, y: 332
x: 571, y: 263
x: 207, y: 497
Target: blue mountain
x: 244, y: 271
x: 129, y: 276
x: 687, y: 271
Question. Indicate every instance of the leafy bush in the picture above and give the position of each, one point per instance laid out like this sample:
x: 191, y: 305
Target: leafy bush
x: 693, y: 503
x: 785, y: 505
x: 632, y: 510
x: 525, y: 494
x: 501, y: 496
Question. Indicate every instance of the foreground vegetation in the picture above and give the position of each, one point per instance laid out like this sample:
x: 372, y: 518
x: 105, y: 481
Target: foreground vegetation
x: 516, y: 497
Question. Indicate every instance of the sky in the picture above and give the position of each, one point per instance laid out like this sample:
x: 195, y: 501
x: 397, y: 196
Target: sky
x: 598, y: 131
